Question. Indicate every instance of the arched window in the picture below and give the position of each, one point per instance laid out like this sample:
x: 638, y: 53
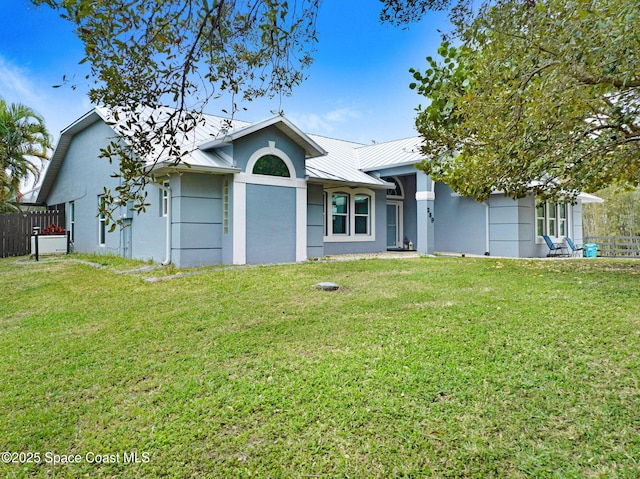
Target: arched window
x: 396, y: 191
x: 271, y: 165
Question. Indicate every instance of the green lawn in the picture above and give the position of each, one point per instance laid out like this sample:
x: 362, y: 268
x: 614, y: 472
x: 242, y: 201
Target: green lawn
x: 433, y: 367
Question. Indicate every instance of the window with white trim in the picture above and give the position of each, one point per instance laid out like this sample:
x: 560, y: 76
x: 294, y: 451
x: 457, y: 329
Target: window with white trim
x: 102, y: 221
x: 340, y: 214
x: 349, y: 215
x: 361, y: 214
x: 271, y: 165
x: 552, y: 219
x: 165, y: 199
x: 72, y: 221
x: 562, y: 219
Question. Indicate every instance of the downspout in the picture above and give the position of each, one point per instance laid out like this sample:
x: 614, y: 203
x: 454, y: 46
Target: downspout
x: 167, y: 260
x: 488, y: 225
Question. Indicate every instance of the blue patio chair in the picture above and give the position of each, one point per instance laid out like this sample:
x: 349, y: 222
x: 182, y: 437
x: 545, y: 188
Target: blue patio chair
x: 572, y: 246
x: 554, y: 249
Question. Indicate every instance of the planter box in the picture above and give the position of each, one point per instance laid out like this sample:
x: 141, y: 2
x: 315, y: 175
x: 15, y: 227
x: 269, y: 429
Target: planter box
x: 49, y: 244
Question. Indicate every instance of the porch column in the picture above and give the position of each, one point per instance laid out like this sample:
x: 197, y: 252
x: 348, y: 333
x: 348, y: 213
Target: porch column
x: 425, y: 206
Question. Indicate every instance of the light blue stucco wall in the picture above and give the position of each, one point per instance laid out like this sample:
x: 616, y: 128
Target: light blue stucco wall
x: 197, y: 219
x: 243, y: 148
x: 271, y: 224
x: 529, y: 245
x: 511, y: 226
x: 460, y: 223
x: 271, y: 211
x: 147, y: 233
x: 81, y: 178
x: 315, y: 221
x: 377, y: 246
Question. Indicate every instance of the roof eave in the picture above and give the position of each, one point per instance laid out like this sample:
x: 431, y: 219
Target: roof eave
x: 392, y: 165
x: 311, y: 148
x: 66, y: 135
x: 348, y: 184
x: 186, y: 168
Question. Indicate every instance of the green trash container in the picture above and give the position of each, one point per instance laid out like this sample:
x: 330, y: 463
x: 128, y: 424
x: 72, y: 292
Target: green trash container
x: 590, y: 250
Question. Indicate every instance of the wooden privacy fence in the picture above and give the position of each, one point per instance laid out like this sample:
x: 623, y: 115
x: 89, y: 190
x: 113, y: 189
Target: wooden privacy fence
x: 616, y: 246
x: 16, y: 229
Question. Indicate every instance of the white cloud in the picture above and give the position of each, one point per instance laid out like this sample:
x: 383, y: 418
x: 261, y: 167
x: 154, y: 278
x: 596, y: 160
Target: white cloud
x: 58, y: 106
x: 327, y: 123
x: 16, y: 85
x: 342, y: 115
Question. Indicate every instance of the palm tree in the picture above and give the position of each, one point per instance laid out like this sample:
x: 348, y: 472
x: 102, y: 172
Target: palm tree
x: 24, y: 146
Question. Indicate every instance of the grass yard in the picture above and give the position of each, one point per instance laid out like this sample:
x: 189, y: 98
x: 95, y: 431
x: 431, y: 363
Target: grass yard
x: 432, y: 367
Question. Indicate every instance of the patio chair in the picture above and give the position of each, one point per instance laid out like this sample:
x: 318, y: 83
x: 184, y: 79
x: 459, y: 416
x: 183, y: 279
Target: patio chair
x: 555, y: 249
x: 572, y: 246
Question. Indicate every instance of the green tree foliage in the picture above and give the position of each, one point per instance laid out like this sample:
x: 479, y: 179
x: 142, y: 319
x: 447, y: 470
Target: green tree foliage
x: 539, y: 96
x: 24, y: 145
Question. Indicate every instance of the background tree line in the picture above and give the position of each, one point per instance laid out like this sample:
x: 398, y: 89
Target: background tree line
x: 619, y: 215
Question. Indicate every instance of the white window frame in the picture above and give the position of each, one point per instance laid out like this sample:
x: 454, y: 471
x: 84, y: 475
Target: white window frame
x: 556, y: 223
x: 350, y: 236
x: 102, y: 222
x: 72, y: 221
x: 345, y: 215
x: 563, y: 222
x: 357, y: 215
x: 165, y: 198
x: 258, y: 179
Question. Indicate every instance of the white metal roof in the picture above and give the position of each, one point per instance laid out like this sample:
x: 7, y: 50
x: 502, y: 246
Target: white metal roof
x: 392, y: 153
x: 208, y: 127
x: 588, y: 198
x: 340, y: 164
x: 311, y: 148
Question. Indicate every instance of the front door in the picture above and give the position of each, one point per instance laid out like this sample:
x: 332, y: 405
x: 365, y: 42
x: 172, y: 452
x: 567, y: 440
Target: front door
x: 394, y: 224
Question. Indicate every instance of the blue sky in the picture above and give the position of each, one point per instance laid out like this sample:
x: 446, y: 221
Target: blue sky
x: 357, y: 88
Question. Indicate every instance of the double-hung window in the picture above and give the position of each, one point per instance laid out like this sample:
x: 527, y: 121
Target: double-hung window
x: 562, y: 219
x: 349, y: 216
x: 340, y: 213
x: 361, y: 214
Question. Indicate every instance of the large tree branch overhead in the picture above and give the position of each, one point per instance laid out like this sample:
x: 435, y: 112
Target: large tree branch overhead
x: 147, y: 54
